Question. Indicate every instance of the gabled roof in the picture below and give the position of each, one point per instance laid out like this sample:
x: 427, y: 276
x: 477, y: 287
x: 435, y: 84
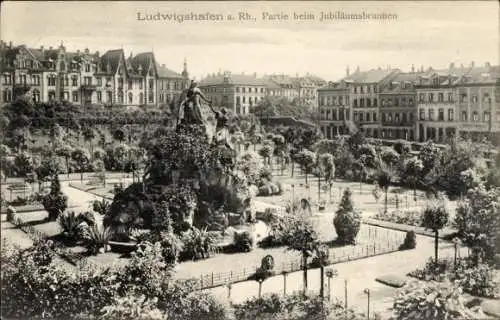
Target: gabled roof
x: 401, y: 80
x: 371, y: 76
x: 144, y: 60
x: 111, y: 57
x: 164, y: 72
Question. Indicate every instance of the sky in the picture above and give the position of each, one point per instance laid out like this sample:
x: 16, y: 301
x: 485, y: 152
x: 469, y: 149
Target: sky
x: 422, y: 33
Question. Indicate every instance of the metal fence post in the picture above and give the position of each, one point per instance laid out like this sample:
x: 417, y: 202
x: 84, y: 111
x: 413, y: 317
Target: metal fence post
x: 212, y: 279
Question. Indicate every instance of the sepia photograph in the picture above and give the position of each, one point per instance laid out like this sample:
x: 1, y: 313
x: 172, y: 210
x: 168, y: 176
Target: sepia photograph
x: 250, y: 160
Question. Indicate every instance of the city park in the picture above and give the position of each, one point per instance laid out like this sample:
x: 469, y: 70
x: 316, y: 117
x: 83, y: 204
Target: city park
x: 112, y: 214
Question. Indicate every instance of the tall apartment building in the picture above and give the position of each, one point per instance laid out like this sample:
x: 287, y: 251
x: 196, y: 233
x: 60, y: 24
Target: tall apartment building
x: 82, y: 77
x: 398, y: 106
x: 170, y: 83
x: 237, y: 92
x: 334, y: 108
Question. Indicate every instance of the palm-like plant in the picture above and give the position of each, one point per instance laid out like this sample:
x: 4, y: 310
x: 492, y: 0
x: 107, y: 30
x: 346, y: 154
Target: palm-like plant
x: 98, y: 238
x: 101, y: 207
x: 72, y: 224
x: 385, y: 177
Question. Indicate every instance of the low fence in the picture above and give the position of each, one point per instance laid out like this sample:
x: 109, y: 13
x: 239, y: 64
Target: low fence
x: 351, y: 253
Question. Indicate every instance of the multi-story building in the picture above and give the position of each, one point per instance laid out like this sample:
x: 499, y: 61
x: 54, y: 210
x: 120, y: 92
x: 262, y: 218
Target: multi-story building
x: 333, y: 104
x: 307, y: 87
x: 282, y: 86
x: 436, y: 103
x: 170, y: 83
x: 364, y: 88
x: 237, y: 92
x: 84, y: 77
x: 478, y: 103
x: 398, y: 106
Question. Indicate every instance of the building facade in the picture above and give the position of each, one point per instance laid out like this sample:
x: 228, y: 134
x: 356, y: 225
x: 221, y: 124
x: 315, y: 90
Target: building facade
x: 83, y: 77
x: 334, y: 109
x: 398, y: 107
x: 237, y: 92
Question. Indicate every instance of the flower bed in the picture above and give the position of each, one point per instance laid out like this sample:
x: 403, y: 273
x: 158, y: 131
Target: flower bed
x: 408, y: 217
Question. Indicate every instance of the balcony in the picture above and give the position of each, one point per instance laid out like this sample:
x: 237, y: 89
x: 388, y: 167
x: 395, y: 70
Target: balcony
x: 442, y: 104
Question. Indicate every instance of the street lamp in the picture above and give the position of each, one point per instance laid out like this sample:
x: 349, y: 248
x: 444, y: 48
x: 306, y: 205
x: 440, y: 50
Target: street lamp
x: 330, y: 273
x: 367, y: 292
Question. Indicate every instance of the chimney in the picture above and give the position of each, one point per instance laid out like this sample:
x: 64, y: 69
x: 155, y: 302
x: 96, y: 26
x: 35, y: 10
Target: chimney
x: 452, y: 65
x: 472, y: 64
x: 97, y: 53
x: 86, y: 51
x: 412, y: 68
x: 50, y: 48
x: 163, y: 65
x: 347, y: 71
x: 487, y: 65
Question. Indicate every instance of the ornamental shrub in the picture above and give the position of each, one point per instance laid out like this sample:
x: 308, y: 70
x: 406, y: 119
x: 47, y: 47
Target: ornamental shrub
x: 347, y: 221
x: 410, y: 241
x: 432, y: 301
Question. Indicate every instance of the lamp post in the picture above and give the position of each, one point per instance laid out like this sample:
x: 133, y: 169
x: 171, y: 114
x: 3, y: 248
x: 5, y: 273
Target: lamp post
x: 345, y: 294
x: 367, y: 292
x: 285, y: 274
x: 330, y: 273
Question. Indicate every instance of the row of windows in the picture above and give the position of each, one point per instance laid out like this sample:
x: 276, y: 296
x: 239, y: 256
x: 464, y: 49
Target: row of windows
x: 333, y: 100
x: 251, y: 100
x: 170, y: 85
x: 397, y: 117
x: 365, y: 116
x: 440, y: 115
x: 335, y: 114
x: 433, y: 97
x: 403, y: 101
x: 255, y: 89
x: 364, y: 103
x: 365, y: 89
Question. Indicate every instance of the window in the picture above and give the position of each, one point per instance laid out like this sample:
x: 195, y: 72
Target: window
x: 35, y: 79
x: 36, y: 95
x: 440, y: 114
x: 355, y: 103
x: 403, y: 101
x: 355, y: 116
x: 422, y: 114
x: 431, y: 97
x: 368, y: 116
x: 7, y: 79
x: 396, y: 118
x: 368, y: 103
x: 361, y: 102
x: 75, y: 96
x: 375, y: 115
x: 237, y: 89
x: 87, y: 81
x: 151, y: 97
x: 389, y: 117
x: 120, y: 97
x: 486, y: 116
x: 87, y: 67
x: 66, y: 95
x: 374, y: 103
x: 244, y: 100
x: 463, y: 97
x: 431, y: 114
x: 361, y: 116
x: 410, y: 102
x: 383, y: 117
x: 464, y: 115
x: 243, y: 89
x: 475, y: 116
x: 140, y: 85
x: 396, y: 102
x: 486, y: 97
x: 440, y: 97
x: 130, y: 84
x: 250, y: 101
x: 169, y: 97
x: 130, y: 97
x: 261, y: 90
x: 109, y: 96
x: 51, y: 80
x: 238, y: 100
x: 405, y: 118
x: 450, y: 114
x: 474, y: 98
x: 361, y: 90
x: 450, y: 97
x: 341, y: 102
x: 141, y: 98
x: 99, y: 96
x: 74, y: 82
x: 151, y: 84
x: 421, y: 97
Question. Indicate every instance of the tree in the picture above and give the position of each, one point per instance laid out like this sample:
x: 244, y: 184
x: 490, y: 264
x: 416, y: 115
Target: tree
x: 478, y: 221
x: 55, y: 202
x: 307, y: 161
x: 347, y: 221
x: 385, y: 177
x: 327, y: 169
x: 81, y: 158
x: 266, y: 151
x: 412, y: 173
x: 301, y: 236
x: 119, y: 135
x: 88, y: 136
x: 389, y: 156
x: 23, y: 164
x: 65, y: 151
x: 47, y: 169
x: 435, y: 218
